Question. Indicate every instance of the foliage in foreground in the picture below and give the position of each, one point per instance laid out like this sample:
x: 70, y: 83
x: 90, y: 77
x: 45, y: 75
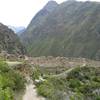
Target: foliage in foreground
x: 10, y: 81
x: 82, y: 83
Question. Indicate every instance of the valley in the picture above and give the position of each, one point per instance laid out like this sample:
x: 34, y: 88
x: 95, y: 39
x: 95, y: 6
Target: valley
x: 56, y: 57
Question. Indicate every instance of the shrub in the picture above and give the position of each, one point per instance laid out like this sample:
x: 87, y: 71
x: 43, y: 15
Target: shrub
x: 6, y: 94
x: 81, y: 83
x: 10, y: 80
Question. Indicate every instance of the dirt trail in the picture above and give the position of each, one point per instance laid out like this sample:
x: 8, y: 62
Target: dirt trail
x: 13, y: 63
x: 31, y: 93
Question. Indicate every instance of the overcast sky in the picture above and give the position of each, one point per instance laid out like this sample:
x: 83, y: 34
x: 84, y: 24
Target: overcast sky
x: 20, y: 12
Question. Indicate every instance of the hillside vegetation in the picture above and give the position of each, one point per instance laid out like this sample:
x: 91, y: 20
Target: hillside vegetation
x: 79, y: 83
x: 71, y: 29
x: 11, y: 82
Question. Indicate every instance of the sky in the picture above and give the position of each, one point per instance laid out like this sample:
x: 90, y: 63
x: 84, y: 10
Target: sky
x: 20, y: 12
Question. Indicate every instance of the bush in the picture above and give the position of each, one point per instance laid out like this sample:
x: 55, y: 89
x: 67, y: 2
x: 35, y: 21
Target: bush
x: 10, y: 81
x: 6, y: 94
x: 81, y: 83
x: 3, y: 67
x: 52, y: 88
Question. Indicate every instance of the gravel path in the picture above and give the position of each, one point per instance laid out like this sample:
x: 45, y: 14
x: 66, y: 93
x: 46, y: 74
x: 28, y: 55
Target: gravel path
x: 13, y: 63
x: 31, y: 93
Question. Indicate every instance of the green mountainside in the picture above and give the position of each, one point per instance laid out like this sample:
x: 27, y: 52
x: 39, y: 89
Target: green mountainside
x: 9, y: 41
x: 71, y: 29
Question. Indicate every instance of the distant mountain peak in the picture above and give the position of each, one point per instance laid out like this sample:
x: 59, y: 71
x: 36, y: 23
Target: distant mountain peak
x: 52, y: 2
x: 71, y: 0
x: 51, y: 5
x: 16, y: 29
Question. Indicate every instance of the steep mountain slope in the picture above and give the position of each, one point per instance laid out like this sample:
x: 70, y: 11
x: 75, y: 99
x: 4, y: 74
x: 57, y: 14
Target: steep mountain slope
x: 9, y: 41
x: 37, y: 21
x: 72, y: 29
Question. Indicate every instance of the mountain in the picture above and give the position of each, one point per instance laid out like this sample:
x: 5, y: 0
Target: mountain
x: 38, y: 20
x: 71, y: 29
x: 17, y: 30
x: 9, y: 41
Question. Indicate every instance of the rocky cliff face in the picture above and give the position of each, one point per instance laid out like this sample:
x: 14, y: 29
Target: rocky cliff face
x: 9, y: 41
